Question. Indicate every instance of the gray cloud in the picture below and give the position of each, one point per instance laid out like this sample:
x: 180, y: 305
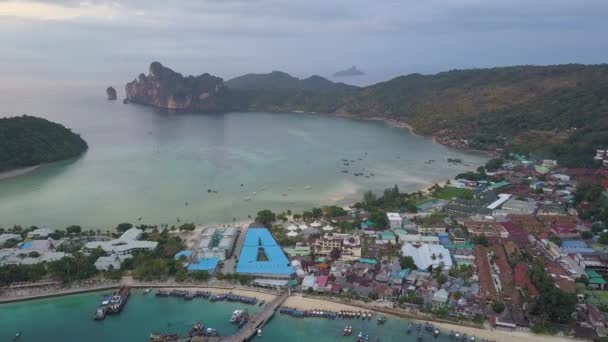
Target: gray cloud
x: 233, y: 36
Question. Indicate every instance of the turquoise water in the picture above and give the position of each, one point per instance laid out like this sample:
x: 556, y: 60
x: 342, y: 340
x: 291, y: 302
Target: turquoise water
x: 69, y: 319
x: 146, y: 163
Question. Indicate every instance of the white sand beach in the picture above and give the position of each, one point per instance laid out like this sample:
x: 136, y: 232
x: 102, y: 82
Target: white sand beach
x: 17, y: 172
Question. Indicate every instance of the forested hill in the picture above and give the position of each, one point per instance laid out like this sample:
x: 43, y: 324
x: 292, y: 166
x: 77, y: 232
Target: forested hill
x: 27, y: 141
x: 279, y: 80
x: 558, y: 111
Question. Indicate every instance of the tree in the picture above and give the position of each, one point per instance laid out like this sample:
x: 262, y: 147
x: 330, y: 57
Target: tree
x: 73, y: 230
x: 380, y: 220
x: 481, y: 240
x: 187, y: 226
x: 181, y: 274
x: 266, y: 218
x: 586, y: 235
x: 317, y: 213
x: 603, y: 238
x: 494, y: 164
x: 555, y: 239
x: 407, y: 262
x: 200, y: 275
x: 123, y: 227
x: 369, y: 198
x: 498, y: 306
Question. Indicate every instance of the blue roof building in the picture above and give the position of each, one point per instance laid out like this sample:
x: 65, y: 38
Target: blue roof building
x: 209, y: 265
x: 444, y: 238
x: 576, y: 246
x: 261, y: 256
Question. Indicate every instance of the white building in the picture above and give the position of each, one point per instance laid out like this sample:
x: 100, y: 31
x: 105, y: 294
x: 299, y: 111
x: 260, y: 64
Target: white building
x: 394, y: 220
x: 124, y: 245
x: 7, y: 237
x: 350, y: 245
x: 217, y: 243
x: 417, y: 239
x: 40, y: 233
x: 427, y: 256
x: 104, y: 263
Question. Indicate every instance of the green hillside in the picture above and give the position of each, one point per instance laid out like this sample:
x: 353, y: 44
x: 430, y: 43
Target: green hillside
x: 27, y: 141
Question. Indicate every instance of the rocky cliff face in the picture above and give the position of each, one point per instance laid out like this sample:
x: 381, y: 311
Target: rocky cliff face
x: 111, y: 93
x: 165, y: 88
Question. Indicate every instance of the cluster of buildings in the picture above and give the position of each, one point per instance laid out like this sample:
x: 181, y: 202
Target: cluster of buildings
x: 37, y: 248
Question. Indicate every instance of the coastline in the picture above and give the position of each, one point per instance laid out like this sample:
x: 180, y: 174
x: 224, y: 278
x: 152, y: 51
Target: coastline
x: 18, y: 172
x: 307, y: 303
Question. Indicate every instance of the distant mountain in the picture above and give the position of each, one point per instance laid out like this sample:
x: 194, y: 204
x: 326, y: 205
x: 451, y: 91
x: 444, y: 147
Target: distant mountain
x: 352, y: 71
x: 280, y: 80
x: 28, y: 141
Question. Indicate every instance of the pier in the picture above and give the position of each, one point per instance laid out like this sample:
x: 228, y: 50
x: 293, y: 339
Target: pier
x: 258, y: 320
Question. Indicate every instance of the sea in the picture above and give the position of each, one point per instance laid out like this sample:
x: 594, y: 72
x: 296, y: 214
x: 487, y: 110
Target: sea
x: 150, y: 166
x: 70, y: 319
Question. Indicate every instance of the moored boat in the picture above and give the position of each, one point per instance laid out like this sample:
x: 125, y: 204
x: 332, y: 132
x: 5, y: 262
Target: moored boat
x: 119, y: 300
x: 158, y: 337
x: 236, y: 316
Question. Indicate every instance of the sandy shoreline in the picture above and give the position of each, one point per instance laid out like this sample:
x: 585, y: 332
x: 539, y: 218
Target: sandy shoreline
x: 17, y: 172
x: 304, y: 303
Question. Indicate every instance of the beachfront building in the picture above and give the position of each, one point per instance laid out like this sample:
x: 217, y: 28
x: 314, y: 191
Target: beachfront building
x: 394, y: 220
x: 127, y: 243
x: 112, y: 262
x: 216, y: 243
x: 40, y: 233
x: 262, y: 257
x: 428, y: 256
x: 4, y: 238
x: 349, y: 245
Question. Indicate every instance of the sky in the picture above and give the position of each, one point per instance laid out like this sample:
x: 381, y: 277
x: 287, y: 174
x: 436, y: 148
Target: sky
x: 384, y: 38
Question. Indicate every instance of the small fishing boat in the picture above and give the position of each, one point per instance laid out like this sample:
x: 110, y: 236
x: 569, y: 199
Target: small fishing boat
x: 409, y: 329
x: 428, y: 327
x: 452, y: 334
x: 262, y: 303
x: 436, y: 332
x: 308, y: 187
x: 17, y: 336
x: 259, y: 333
x: 381, y: 320
x: 420, y: 337
x: 236, y: 316
x: 146, y: 291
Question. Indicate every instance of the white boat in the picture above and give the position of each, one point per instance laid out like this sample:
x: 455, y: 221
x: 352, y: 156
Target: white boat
x: 147, y: 291
x: 247, y: 198
x: 308, y: 187
x: 289, y: 188
x: 236, y: 315
x: 259, y: 332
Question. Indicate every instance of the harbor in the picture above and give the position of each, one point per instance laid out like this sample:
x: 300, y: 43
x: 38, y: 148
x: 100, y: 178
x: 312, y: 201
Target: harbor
x: 147, y: 315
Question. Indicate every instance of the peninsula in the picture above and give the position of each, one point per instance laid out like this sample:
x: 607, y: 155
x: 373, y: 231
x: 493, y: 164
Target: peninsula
x: 352, y: 71
x: 28, y: 141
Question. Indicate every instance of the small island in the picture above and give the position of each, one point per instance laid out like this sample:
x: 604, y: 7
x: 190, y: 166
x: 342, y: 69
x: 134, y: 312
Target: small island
x: 28, y: 141
x: 111, y: 93
x: 352, y: 71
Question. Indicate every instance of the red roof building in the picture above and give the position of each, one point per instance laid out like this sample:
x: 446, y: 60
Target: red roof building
x: 522, y: 280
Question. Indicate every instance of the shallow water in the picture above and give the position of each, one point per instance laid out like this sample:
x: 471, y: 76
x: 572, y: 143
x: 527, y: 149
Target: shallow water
x: 147, y: 163
x: 69, y: 319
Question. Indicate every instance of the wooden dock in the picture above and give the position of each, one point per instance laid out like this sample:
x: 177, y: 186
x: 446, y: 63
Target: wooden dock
x: 258, y: 320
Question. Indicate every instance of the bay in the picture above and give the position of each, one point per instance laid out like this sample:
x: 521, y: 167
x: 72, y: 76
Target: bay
x: 147, y: 163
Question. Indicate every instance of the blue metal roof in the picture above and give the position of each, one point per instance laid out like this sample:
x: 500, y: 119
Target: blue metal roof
x: 185, y: 253
x: 26, y: 245
x: 260, y: 238
x: 208, y: 264
x: 574, y: 244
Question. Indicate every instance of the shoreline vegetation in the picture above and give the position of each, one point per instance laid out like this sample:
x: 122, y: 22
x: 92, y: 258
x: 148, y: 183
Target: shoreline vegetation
x: 302, y: 302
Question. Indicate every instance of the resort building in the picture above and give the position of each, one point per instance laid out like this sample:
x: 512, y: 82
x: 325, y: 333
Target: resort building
x: 40, y: 233
x: 217, y: 243
x: 4, y: 238
x: 486, y: 228
x: 262, y: 257
x: 349, y: 245
x: 124, y: 245
x: 428, y: 256
x: 394, y: 220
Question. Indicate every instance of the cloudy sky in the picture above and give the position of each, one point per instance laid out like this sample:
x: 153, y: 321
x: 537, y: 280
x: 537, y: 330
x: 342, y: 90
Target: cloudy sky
x: 385, y: 38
